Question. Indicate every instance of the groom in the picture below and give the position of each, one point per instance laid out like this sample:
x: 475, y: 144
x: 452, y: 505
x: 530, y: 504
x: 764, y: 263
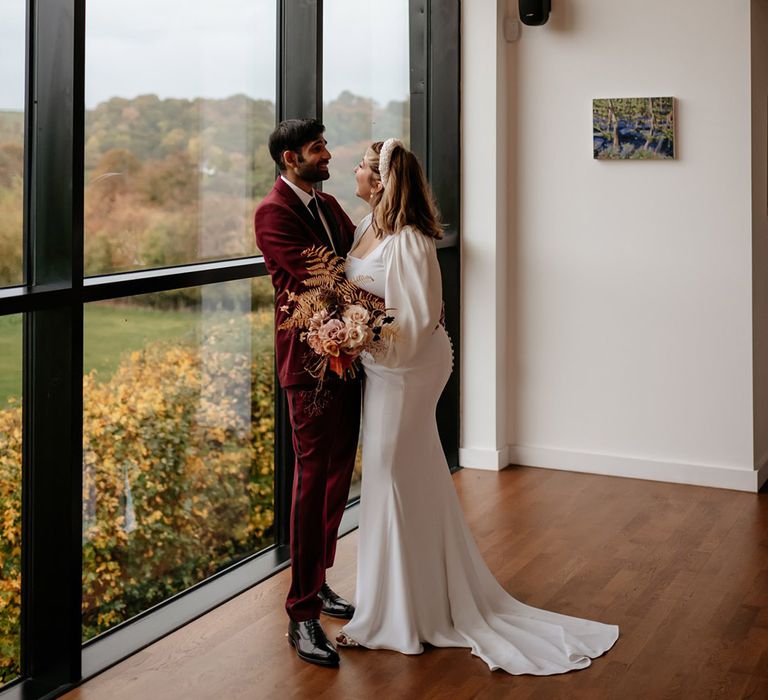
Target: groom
x: 291, y: 218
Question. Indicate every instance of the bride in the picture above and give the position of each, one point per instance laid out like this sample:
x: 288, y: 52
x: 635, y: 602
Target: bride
x: 420, y: 577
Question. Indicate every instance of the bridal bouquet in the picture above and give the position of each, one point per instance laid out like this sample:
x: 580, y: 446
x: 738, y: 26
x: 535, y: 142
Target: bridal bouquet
x: 336, y: 318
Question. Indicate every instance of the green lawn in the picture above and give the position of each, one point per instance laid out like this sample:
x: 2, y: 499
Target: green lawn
x: 10, y: 357
x: 110, y: 332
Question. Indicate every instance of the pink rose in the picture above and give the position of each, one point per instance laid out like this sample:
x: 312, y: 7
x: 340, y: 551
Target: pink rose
x: 341, y: 335
x: 333, y: 330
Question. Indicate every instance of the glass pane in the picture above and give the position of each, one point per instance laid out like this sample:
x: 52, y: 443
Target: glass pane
x: 178, y: 470
x: 366, y: 95
x: 12, y: 33
x: 366, y: 92
x: 10, y: 495
x: 179, y: 105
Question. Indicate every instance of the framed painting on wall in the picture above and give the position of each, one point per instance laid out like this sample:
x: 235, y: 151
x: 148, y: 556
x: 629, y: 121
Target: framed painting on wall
x: 633, y: 128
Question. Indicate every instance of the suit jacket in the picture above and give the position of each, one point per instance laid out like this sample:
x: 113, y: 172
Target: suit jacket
x: 284, y: 230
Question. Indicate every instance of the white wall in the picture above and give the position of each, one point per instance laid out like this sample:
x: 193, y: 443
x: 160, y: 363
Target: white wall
x: 484, y: 233
x: 628, y: 286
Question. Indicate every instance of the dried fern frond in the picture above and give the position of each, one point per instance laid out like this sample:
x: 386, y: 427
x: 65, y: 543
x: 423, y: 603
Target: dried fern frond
x: 305, y: 305
x: 325, y: 268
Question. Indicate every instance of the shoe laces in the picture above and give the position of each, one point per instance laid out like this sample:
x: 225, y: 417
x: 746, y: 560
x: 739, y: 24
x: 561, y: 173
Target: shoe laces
x: 326, y: 592
x: 315, y: 630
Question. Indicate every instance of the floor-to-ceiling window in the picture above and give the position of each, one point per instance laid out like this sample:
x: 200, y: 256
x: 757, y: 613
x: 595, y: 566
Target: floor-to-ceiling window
x: 146, y: 475
x: 12, y: 57
x: 365, y: 98
x: 178, y: 391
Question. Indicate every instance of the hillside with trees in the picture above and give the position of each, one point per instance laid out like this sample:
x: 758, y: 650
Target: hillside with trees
x: 174, y: 181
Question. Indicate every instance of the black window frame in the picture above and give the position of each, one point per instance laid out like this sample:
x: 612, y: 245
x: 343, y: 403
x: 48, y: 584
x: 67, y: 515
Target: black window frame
x: 54, y: 292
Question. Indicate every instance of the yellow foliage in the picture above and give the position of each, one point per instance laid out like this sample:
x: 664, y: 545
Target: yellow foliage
x: 177, y: 477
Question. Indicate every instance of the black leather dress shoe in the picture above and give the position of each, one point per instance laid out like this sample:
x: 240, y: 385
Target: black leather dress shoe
x: 311, y: 644
x: 334, y: 605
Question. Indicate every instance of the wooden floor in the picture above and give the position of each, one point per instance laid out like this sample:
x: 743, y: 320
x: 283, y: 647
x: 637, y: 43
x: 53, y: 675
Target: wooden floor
x: 682, y: 570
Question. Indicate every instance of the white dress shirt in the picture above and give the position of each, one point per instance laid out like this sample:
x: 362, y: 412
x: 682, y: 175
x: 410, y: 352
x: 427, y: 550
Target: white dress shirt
x: 306, y: 198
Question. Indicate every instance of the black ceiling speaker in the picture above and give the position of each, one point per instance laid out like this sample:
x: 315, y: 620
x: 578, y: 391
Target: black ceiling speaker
x: 534, y: 12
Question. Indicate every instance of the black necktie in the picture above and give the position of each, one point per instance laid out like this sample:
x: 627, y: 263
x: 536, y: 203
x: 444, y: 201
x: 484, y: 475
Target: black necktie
x: 317, y: 223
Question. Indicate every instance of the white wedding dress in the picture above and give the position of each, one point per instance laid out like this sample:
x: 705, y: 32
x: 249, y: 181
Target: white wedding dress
x: 420, y: 576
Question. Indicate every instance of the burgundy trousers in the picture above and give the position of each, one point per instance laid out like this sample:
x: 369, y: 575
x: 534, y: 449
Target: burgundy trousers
x: 325, y: 442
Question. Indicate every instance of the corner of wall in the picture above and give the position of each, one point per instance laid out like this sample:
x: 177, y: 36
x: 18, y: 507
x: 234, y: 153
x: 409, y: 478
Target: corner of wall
x: 483, y: 245
x: 759, y: 135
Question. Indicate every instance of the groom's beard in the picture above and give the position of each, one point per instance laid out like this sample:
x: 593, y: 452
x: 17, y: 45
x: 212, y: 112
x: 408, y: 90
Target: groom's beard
x: 312, y: 172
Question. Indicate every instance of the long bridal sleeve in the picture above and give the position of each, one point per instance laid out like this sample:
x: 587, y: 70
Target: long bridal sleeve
x: 413, y: 293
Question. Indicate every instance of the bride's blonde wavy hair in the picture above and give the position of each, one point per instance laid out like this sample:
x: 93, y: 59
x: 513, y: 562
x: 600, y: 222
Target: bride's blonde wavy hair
x: 407, y: 199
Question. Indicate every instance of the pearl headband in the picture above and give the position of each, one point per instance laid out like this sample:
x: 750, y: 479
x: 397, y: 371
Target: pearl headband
x: 384, y: 157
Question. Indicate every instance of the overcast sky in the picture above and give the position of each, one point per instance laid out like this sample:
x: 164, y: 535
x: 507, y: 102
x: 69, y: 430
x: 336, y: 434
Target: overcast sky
x: 193, y: 48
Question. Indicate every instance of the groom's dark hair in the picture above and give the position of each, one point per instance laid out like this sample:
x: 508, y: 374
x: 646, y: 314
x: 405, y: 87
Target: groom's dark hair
x: 291, y: 135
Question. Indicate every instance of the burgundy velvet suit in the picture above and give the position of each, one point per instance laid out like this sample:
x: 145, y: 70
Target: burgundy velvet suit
x: 326, y: 443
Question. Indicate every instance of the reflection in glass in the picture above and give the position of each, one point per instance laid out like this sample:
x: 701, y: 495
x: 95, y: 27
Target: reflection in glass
x: 366, y: 86
x: 367, y: 95
x: 10, y: 495
x: 178, y: 443
x: 179, y: 104
x: 12, y: 48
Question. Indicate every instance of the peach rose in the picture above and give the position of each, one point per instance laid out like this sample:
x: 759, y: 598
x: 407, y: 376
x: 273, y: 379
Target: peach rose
x: 357, y: 335
x: 314, y: 342
x: 333, y: 330
x: 355, y: 314
x: 317, y: 320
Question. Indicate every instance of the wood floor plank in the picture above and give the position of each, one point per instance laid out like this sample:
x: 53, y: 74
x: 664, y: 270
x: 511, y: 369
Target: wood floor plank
x: 682, y: 570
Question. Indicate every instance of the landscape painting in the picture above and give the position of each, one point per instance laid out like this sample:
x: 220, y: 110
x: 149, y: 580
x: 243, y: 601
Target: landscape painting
x: 633, y: 128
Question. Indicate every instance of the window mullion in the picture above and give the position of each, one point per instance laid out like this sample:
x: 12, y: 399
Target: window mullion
x: 51, y: 481
x: 418, y: 23
x: 300, y: 70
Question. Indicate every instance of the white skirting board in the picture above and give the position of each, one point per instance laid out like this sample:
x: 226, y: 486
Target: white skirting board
x: 481, y: 458
x: 613, y: 465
